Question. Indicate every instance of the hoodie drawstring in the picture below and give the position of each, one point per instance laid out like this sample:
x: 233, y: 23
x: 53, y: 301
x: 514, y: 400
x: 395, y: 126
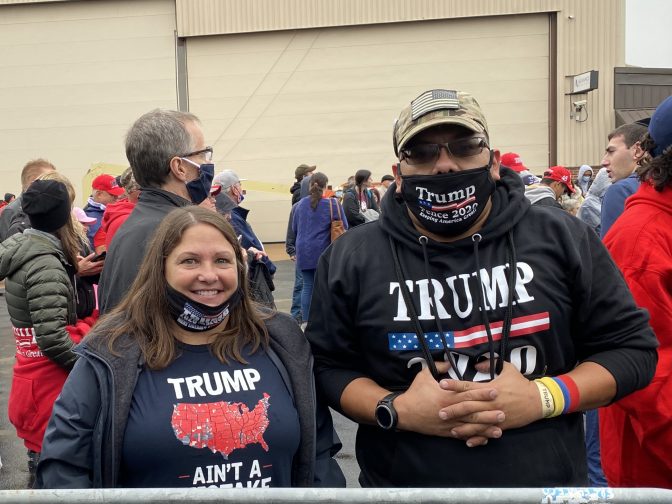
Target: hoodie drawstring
x: 496, y: 365
x: 427, y: 353
x: 508, y: 316
x: 476, y: 238
x: 432, y: 295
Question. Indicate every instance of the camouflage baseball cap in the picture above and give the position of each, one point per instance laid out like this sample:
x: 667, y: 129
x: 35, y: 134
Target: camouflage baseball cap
x: 434, y: 107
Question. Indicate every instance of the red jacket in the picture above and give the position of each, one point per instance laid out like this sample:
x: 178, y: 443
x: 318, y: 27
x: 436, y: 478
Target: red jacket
x: 636, y: 432
x: 37, y: 382
x: 115, y: 215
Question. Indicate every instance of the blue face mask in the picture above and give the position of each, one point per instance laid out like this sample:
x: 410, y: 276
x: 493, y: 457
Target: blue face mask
x: 199, y: 188
x: 585, y: 178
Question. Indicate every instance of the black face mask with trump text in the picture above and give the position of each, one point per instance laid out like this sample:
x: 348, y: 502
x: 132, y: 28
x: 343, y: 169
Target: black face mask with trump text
x: 448, y: 204
x: 197, y: 317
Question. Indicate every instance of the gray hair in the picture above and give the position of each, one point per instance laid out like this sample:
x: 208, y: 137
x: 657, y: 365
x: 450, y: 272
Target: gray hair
x: 153, y: 140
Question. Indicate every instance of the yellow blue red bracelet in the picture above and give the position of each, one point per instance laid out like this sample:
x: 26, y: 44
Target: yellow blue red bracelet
x: 565, y: 393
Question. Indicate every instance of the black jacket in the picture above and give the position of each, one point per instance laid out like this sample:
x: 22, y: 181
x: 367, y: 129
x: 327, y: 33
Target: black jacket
x: 570, y: 305
x: 13, y: 220
x: 296, y: 192
x: 83, y: 442
x: 352, y: 208
x: 549, y: 202
x: 127, y: 249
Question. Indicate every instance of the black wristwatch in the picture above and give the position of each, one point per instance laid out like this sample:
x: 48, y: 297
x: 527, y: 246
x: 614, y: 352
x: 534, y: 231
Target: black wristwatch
x: 386, y: 415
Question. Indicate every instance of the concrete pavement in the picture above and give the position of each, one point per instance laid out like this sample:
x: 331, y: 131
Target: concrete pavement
x: 14, y: 473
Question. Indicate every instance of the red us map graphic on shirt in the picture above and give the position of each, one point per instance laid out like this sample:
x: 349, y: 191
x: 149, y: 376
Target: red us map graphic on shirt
x: 221, y: 426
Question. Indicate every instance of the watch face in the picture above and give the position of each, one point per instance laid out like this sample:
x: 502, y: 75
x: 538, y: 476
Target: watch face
x: 384, y: 416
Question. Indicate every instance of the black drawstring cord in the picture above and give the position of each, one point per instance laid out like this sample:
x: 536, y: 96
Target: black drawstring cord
x: 476, y: 238
x: 432, y: 296
x: 508, y: 317
x: 411, y: 309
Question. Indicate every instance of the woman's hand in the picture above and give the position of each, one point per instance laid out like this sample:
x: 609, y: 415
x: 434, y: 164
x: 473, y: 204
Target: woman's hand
x: 258, y: 254
x: 86, y: 267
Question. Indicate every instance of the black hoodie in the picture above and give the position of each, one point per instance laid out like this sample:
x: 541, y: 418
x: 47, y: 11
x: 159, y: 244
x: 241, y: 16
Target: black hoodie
x: 570, y: 304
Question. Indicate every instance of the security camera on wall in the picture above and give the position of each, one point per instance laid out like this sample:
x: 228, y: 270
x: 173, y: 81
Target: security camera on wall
x: 580, y: 103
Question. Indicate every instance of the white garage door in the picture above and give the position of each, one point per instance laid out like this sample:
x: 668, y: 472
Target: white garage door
x: 74, y: 77
x: 271, y: 101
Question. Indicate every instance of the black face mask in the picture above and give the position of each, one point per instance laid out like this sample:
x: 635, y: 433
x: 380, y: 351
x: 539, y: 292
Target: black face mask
x: 448, y: 204
x: 197, y: 317
x: 199, y: 188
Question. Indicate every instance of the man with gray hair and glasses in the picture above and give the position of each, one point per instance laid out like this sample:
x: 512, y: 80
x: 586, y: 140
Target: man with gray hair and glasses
x: 173, y: 166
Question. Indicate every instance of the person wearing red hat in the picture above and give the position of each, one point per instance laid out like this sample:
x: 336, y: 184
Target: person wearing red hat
x: 106, y: 190
x: 557, y: 180
x: 513, y: 161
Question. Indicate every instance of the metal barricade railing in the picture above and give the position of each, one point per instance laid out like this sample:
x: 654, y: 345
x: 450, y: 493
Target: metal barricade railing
x: 343, y: 496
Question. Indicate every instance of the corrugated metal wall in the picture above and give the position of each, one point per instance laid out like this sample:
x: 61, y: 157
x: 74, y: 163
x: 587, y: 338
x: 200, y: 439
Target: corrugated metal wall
x: 75, y: 75
x: 328, y: 96
x: 210, y: 17
x: 590, y: 36
x: 641, y: 87
x: 12, y: 2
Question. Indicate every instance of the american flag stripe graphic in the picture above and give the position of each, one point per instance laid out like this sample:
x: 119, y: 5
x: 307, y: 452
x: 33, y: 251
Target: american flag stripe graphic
x: 453, y: 206
x: 433, y: 100
x: 520, y: 326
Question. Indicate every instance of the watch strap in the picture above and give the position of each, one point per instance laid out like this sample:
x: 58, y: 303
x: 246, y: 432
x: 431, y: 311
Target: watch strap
x: 386, y: 403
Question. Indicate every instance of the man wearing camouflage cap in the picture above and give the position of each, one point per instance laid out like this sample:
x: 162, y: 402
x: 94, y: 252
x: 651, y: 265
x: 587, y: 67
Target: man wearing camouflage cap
x: 417, y: 308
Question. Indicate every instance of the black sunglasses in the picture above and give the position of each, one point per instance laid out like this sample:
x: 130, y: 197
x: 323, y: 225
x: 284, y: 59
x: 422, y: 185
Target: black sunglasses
x: 426, y: 153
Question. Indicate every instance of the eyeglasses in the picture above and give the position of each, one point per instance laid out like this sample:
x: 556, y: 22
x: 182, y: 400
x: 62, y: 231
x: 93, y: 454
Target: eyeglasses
x: 207, y: 153
x: 426, y: 153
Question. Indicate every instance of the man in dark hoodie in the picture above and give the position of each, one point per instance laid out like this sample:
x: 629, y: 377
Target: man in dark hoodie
x: 461, y: 370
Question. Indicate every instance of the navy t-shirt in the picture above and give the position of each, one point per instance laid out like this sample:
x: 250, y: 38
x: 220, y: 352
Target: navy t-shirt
x: 201, y: 423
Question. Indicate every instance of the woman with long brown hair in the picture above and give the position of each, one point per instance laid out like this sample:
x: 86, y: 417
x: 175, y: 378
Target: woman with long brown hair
x: 359, y: 203
x: 77, y: 249
x: 312, y: 228
x: 190, y: 383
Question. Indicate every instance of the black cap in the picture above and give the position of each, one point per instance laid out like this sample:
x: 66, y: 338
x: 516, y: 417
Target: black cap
x: 47, y: 205
x: 387, y: 177
x: 8, y: 196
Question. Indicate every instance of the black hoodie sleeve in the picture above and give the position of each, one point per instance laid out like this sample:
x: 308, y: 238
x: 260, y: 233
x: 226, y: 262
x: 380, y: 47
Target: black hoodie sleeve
x: 338, y: 358
x: 608, y: 328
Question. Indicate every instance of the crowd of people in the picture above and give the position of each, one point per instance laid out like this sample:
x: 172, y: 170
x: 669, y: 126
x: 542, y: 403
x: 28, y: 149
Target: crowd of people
x: 483, y: 326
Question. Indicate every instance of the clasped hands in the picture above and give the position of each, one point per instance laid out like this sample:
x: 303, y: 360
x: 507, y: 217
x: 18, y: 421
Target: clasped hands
x: 470, y: 411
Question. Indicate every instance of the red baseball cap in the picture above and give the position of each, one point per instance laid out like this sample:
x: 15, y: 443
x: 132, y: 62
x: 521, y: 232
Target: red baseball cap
x: 513, y: 161
x: 215, y: 189
x: 108, y: 184
x: 560, y: 174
